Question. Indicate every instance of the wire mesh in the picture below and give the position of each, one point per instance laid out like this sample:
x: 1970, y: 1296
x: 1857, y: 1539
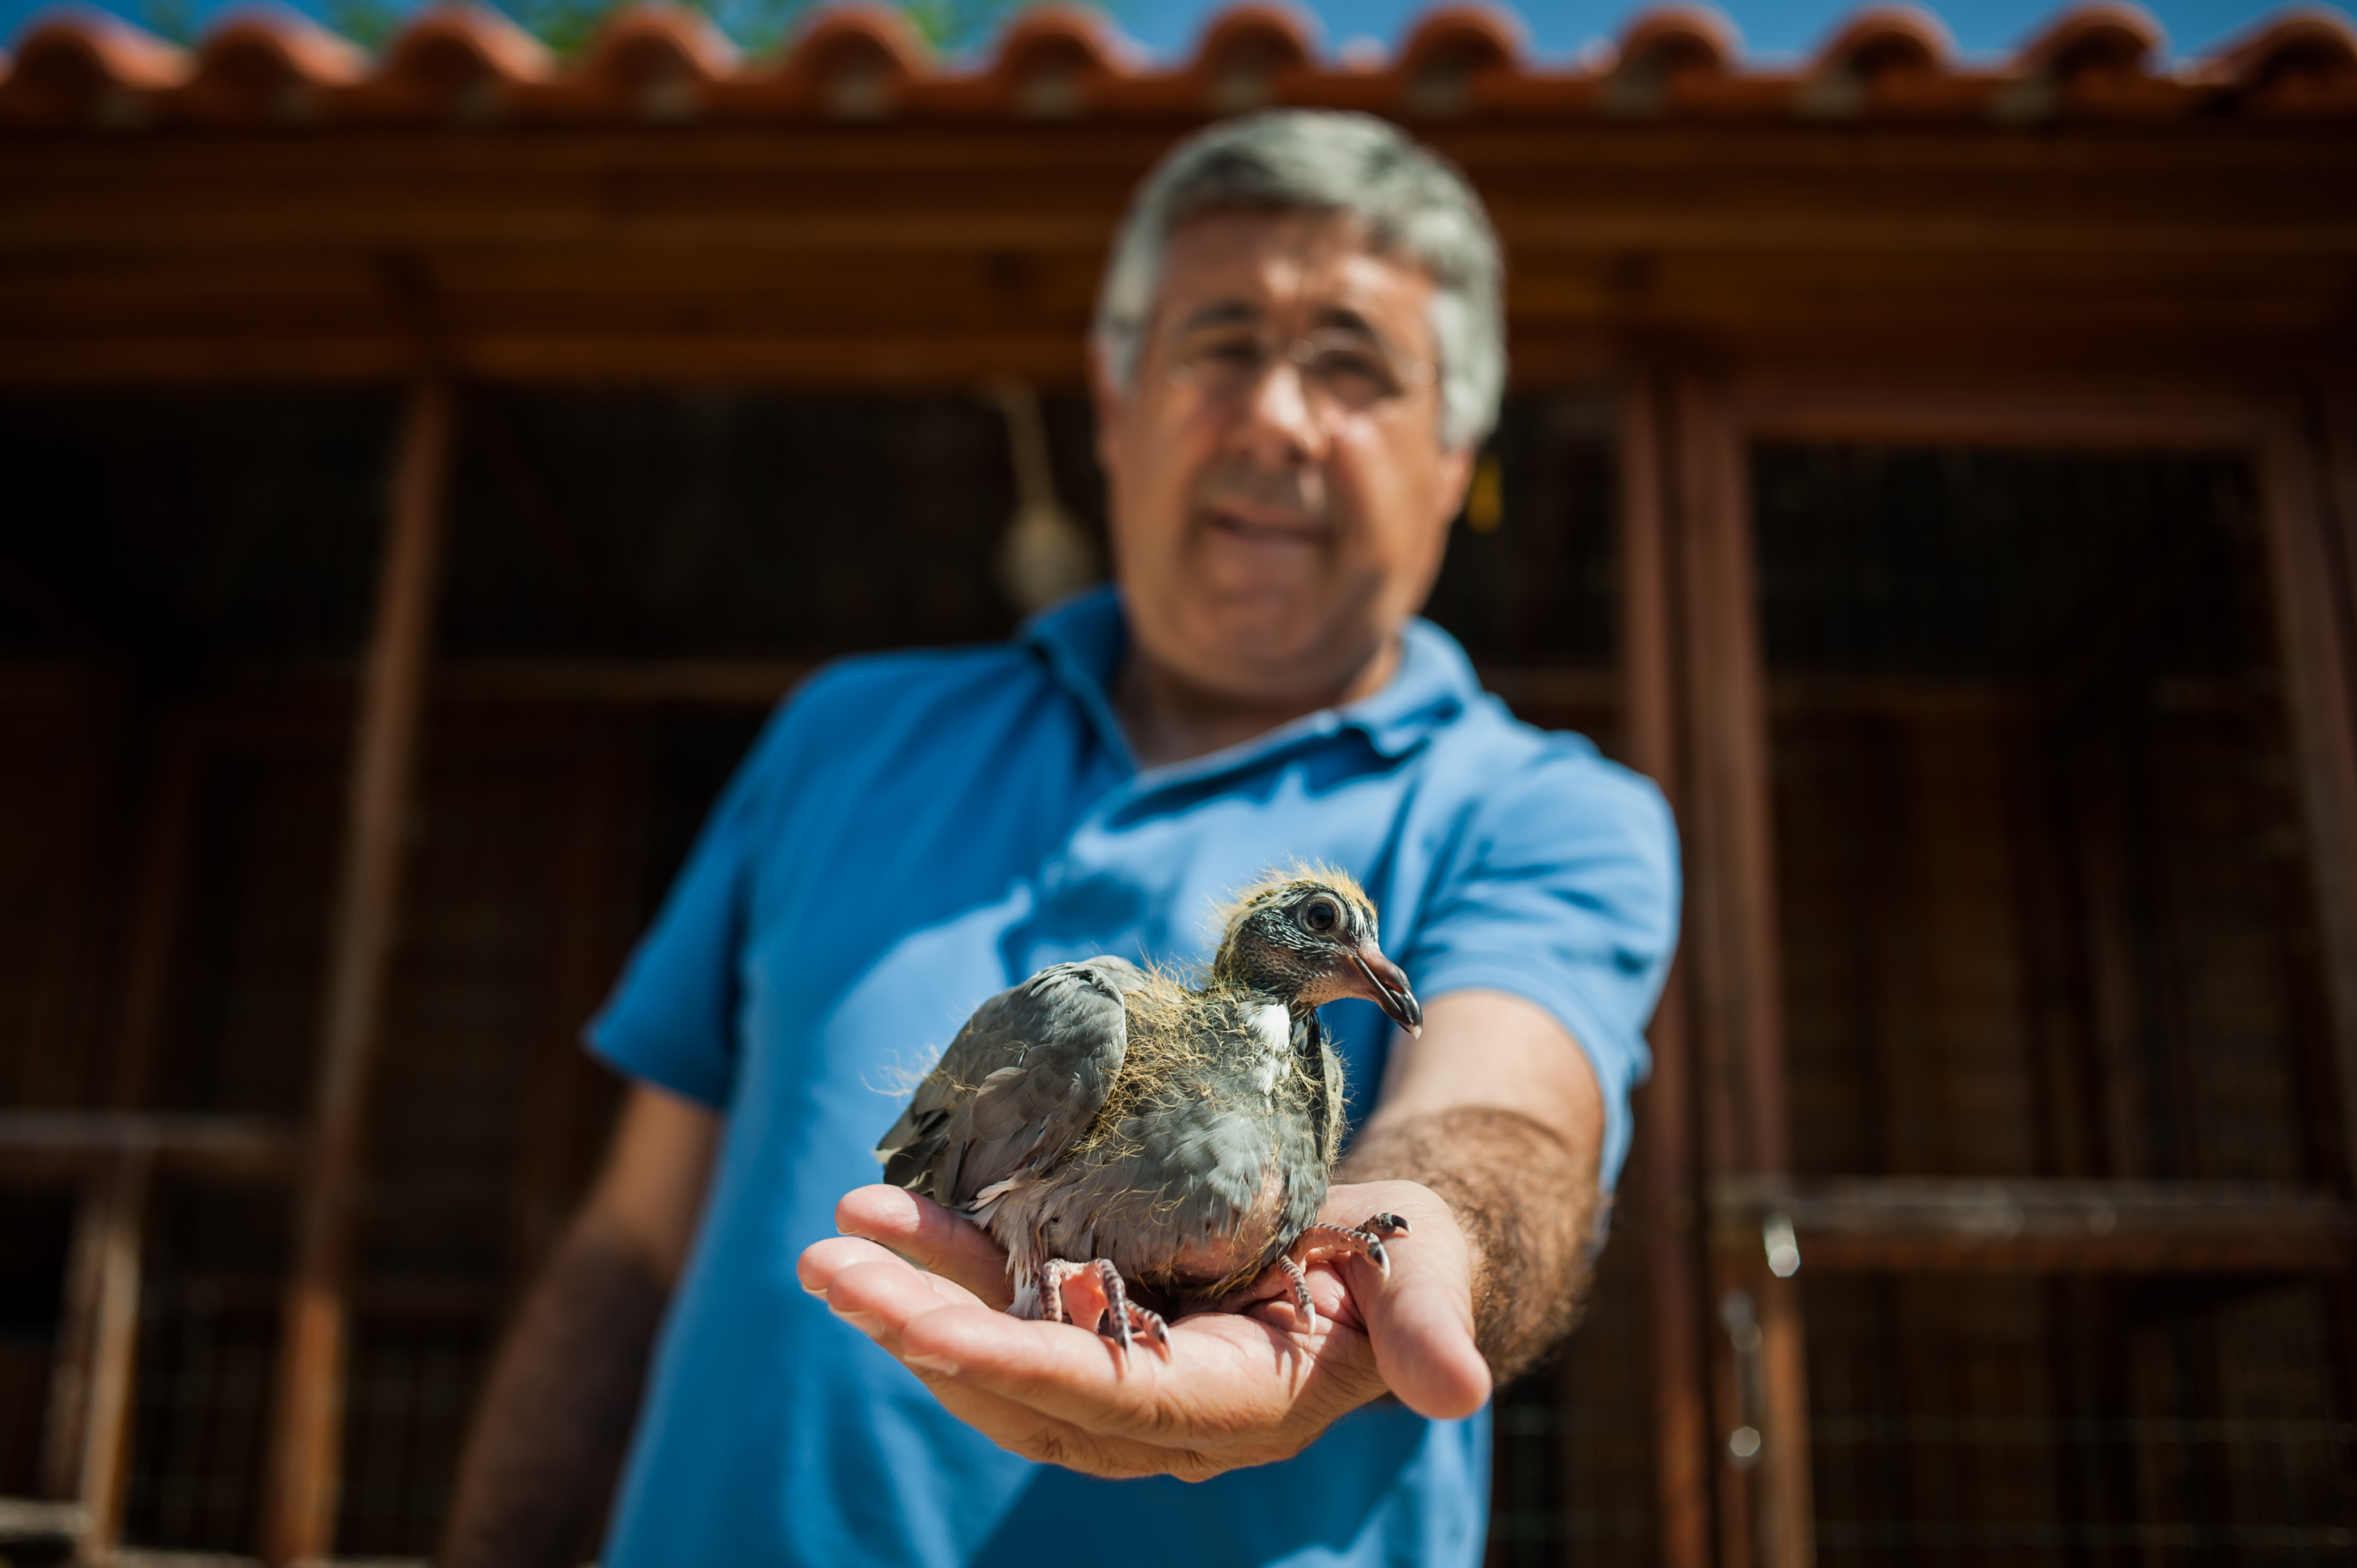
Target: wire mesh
x: 1537, y: 584
x: 214, y: 1275
x: 2046, y: 913
x: 35, y: 1230
x: 2045, y: 884
x: 2055, y: 1420
x: 1572, y: 1474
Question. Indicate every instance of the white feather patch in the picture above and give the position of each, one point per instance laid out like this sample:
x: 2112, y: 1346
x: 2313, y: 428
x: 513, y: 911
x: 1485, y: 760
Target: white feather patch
x: 1274, y: 1025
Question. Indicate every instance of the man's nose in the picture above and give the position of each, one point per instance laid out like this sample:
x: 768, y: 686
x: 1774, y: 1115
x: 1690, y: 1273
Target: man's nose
x: 1280, y: 420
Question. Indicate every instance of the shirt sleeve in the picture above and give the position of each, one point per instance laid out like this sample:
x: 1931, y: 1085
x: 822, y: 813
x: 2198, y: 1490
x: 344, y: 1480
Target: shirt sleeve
x: 671, y: 1018
x: 1564, y: 891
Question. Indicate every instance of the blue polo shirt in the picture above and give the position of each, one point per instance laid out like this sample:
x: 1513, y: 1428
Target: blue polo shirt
x: 914, y: 832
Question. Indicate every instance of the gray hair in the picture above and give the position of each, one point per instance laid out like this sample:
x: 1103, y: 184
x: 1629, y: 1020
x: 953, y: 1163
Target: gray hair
x: 1413, y: 203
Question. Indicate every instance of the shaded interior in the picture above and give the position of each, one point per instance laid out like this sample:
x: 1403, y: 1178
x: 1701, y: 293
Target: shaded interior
x: 2046, y: 912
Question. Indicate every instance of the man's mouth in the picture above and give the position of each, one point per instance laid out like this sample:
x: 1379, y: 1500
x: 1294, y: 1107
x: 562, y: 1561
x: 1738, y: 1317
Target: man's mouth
x: 1257, y: 525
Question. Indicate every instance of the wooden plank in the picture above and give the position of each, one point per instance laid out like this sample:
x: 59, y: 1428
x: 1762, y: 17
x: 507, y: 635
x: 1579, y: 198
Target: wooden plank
x: 1765, y: 1510
x: 713, y: 682
x: 731, y: 251
x: 1682, y: 1440
x: 1733, y: 805
x: 2338, y: 436
x: 67, y: 1414
x: 2319, y: 645
x: 305, y: 1440
x: 2087, y: 411
x: 1710, y: 957
x: 67, y: 1141
x: 1921, y: 1224
x: 1788, y: 1519
x: 758, y: 683
x: 120, y: 1228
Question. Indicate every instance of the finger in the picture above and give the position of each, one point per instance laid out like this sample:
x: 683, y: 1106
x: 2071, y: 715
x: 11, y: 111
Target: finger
x: 1230, y: 1382
x: 876, y: 1294
x: 928, y: 1235
x: 1021, y: 1429
x: 823, y: 1261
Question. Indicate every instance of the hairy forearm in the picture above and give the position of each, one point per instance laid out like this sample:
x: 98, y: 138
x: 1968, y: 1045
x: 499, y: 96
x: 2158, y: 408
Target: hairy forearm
x: 1528, y: 1203
x: 556, y: 1416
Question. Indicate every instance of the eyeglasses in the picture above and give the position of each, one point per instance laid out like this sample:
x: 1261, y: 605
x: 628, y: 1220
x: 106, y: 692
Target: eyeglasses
x: 1343, y: 368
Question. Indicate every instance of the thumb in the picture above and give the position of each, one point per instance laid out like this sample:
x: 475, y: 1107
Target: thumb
x: 1420, y: 1320
x: 1422, y: 1330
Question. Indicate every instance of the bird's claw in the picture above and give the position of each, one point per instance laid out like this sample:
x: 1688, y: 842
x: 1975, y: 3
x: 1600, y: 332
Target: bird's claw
x: 1366, y: 1240
x: 1089, y: 1296
x: 1299, y: 1279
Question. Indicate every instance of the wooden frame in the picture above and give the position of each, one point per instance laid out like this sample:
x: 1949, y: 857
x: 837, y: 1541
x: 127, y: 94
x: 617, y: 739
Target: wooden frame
x: 1649, y: 646
x: 306, y: 1428
x: 2302, y: 460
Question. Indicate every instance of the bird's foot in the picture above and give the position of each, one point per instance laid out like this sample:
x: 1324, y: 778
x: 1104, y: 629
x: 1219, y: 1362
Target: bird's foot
x: 1365, y: 1240
x: 1092, y: 1296
x: 1299, y: 1279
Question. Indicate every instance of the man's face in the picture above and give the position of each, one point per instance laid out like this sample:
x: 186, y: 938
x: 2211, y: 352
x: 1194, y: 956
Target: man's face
x: 1280, y: 497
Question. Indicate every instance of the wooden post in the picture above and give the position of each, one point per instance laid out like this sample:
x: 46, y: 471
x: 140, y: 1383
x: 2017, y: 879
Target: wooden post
x: 1682, y: 1438
x: 2297, y: 490
x: 77, y: 1382
x: 110, y: 1238
x: 1737, y: 961
x: 307, y: 1429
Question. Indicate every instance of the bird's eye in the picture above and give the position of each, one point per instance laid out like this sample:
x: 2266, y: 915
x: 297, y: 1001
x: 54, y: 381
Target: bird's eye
x: 1321, y: 915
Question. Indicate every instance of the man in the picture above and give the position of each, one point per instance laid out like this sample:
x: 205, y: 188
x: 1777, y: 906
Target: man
x: 1298, y: 351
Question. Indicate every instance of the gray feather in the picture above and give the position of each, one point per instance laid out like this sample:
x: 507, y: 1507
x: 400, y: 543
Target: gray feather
x: 1023, y: 1078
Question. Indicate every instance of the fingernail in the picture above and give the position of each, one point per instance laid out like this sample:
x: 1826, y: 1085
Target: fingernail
x: 941, y: 1364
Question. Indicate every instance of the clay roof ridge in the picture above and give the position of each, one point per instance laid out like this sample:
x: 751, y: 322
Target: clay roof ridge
x: 2096, y: 58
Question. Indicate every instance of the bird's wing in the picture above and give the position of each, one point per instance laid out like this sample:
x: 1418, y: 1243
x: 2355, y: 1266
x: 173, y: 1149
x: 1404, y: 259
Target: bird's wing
x: 1023, y: 1078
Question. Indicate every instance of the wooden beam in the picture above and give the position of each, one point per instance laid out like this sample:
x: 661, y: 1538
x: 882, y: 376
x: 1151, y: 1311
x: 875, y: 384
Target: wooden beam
x: 759, y: 683
x: 49, y: 1142
x: 2084, y: 412
x: 716, y: 682
x: 1682, y: 1438
x: 307, y: 1427
x: 1918, y: 1225
x: 1736, y: 948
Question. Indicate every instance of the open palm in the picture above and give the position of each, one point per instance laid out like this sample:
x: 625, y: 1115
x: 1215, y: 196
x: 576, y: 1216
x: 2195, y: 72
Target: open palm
x: 1238, y: 1386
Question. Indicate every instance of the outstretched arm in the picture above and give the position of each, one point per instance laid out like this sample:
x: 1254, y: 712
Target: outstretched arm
x: 1485, y: 1139
x: 556, y: 1416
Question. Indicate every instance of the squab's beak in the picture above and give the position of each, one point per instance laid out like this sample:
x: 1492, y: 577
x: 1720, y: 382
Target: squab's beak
x: 1388, y: 989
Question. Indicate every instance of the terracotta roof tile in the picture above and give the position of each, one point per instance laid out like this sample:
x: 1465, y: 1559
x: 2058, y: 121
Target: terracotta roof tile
x: 466, y: 63
x: 2300, y: 63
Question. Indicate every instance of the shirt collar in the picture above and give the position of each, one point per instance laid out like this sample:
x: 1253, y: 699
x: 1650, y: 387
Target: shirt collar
x: 1084, y: 639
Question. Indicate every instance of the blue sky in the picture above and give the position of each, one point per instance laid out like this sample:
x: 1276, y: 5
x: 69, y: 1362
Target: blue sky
x: 1557, y: 29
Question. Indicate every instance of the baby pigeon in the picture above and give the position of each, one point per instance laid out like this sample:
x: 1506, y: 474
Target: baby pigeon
x: 1114, y: 1128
